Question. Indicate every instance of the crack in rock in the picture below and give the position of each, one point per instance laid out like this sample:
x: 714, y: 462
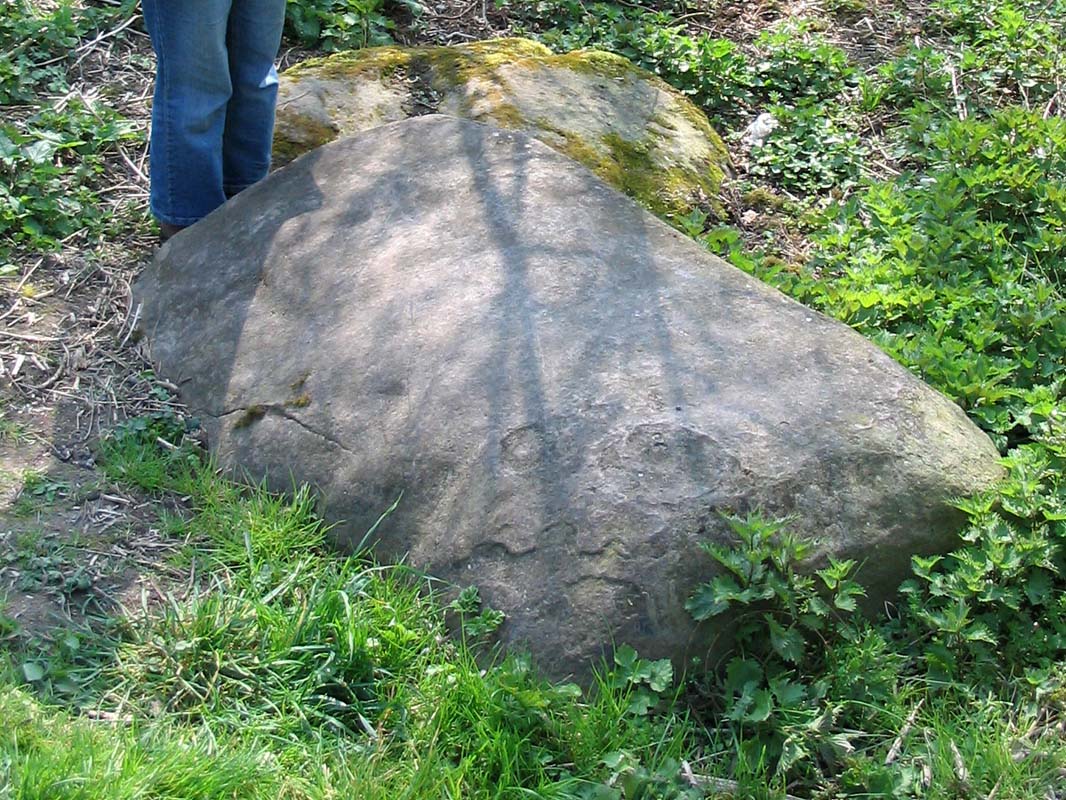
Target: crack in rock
x: 262, y: 409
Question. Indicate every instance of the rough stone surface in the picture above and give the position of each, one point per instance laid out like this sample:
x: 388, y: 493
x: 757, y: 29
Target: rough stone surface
x: 628, y: 126
x: 566, y: 391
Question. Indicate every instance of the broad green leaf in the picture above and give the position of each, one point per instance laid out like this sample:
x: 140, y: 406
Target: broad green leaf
x: 625, y: 657
x: 786, y: 642
x: 761, y: 707
x: 641, y: 702
x: 660, y: 675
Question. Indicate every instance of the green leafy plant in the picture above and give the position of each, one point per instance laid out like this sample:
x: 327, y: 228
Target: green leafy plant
x: 341, y: 24
x: 475, y: 620
x: 809, y: 152
x: 921, y: 75
x: 957, y: 270
x: 52, y: 153
x: 32, y: 43
x: 999, y: 597
x: 646, y: 682
x: 783, y: 619
x: 798, y: 66
x: 1007, y: 54
x: 713, y: 72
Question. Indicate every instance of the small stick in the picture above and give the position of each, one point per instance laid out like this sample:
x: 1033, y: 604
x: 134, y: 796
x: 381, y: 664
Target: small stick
x: 132, y: 325
x: 961, y: 773
x: 83, y: 49
x: 897, y: 746
x: 129, y: 163
x: 29, y: 337
x: 960, y: 106
x: 724, y: 785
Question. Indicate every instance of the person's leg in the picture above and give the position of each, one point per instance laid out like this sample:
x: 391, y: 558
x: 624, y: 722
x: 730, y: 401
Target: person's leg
x: 189, y: 108
x: 253, y: 39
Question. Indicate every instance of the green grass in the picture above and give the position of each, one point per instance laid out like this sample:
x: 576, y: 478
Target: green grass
x: 337, y: 666
x: 46, y: 755
x: 13, y: 431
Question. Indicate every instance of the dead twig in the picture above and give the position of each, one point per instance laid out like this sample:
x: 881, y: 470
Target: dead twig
x: 960, y: 103
x: 722, y: 785
x: 962, y: 775
x: 897, y: 745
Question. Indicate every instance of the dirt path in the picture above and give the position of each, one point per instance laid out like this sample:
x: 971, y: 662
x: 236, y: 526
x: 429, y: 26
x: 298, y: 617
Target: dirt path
x: 71, y: 542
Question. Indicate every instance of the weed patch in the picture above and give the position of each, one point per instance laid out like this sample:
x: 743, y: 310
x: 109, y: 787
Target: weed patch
x: 52, y: 140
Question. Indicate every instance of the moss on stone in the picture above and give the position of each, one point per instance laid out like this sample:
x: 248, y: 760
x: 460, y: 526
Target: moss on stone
x: 251, y: 415
x: 449, y: 67
x: 383, y: 61
x: 298, y: 384
x: 469, y: 76
x: 687, y: 109
x: 663, y: 122
x: 506, y: 115
x: 599, y: 63
x: 312, y: 134
x: 665, y: 192
x: 576, y: 148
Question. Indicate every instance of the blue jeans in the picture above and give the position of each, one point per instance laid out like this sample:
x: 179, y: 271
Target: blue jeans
x: 215, y: 92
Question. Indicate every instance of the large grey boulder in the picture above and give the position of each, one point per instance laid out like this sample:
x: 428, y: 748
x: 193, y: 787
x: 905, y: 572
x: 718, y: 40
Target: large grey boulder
x: 566, y: 391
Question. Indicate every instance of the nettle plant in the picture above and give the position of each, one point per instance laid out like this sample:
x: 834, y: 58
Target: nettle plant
x: 1006, y: 51
x: 713, y: 72
x: 29, y: 44
x: 798, y: 66
x: 957, y: 268
x: 786, y: 621
x: 1000, y: 599
x: 920, y: 75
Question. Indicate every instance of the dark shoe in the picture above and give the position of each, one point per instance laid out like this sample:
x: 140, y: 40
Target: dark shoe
x: 166, y: 230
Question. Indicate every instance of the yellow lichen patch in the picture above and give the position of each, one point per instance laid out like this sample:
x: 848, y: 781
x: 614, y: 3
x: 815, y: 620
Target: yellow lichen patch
x: 623, y: 123
x: 598, y: 62
x: 453, y: 66
x: 505, y: 115
x: 667, y: 192
x: 381, y: 61
x: 311, y: 133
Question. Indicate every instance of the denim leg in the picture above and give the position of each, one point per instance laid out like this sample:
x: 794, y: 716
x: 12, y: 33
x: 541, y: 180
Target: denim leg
x: 192, y: 91
x: 253, y: 38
